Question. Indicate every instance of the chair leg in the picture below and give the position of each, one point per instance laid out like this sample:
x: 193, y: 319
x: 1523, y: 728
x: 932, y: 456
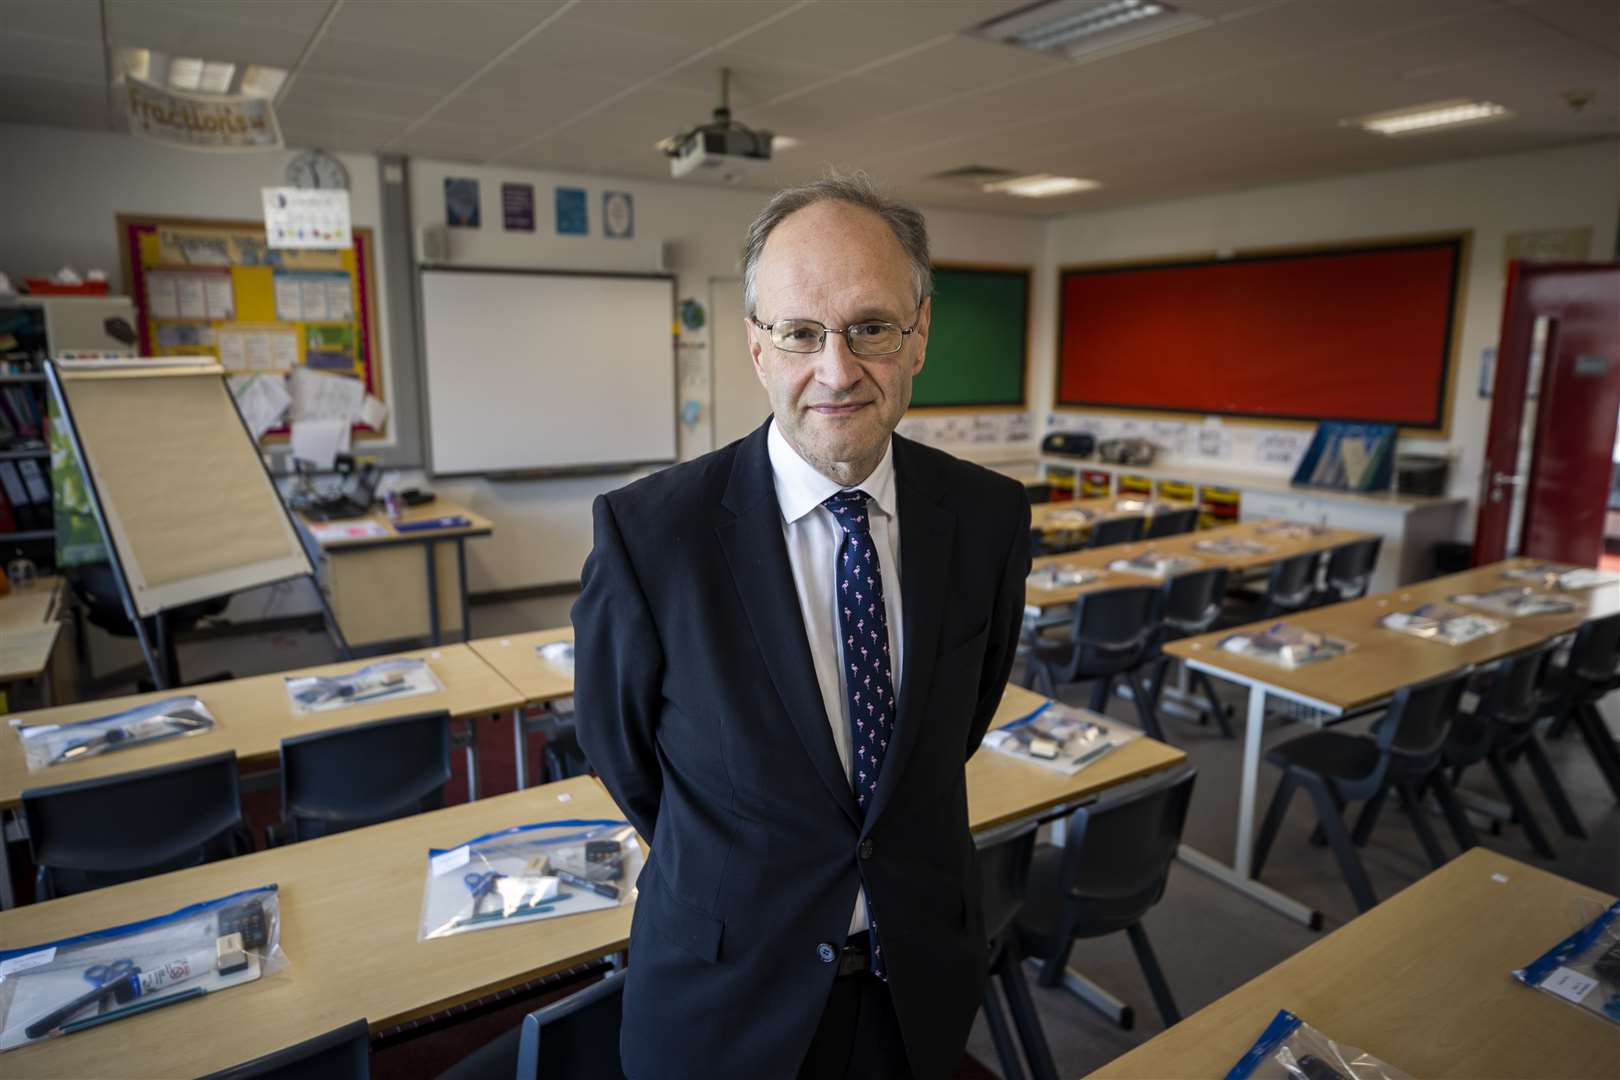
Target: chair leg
x: 1349, y: 863
x: 1369, y: 816
x: 1031, y: 1035
x: 1217, y: 707
x: 1589, y: 722
x: 1318, y: 838
x: 1553, y: 788
x: 1462, y: 830
x: 1412, y: 802
x: 1273, y: 822
x: 1100, y: 693
x: 1146, y: 714
x: 1521, y: 809
x: 995, y: 1017
x: 1155, y: 977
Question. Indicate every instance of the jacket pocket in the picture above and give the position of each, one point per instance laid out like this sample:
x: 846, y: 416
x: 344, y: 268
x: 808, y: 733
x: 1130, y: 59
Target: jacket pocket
x: 691, y: 928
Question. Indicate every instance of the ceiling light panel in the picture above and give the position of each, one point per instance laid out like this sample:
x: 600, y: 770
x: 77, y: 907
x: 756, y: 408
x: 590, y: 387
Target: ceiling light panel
x: 185, y: 72
x: 1435, y: 116
x: 1041, y: 186
x: 1090, y: 29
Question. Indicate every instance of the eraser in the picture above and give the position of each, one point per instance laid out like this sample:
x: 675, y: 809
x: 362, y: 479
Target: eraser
x: 230, y: 954
x: 1043, y: 748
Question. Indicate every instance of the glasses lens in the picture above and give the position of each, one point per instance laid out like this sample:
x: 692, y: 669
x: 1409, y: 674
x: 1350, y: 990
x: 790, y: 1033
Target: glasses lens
x: 875, y: 338
x: 797, y: 335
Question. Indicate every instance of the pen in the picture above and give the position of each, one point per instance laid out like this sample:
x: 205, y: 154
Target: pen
x: 131, y: 1010
x: 457, y: 522
x: 1092, y: 754
x: 597, y: 887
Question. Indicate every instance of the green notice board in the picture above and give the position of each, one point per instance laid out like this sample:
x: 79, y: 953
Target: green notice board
x: 978, y: 340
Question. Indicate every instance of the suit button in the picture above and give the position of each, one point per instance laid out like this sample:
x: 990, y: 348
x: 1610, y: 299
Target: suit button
x: 867, y: 847
x: 826, y: 953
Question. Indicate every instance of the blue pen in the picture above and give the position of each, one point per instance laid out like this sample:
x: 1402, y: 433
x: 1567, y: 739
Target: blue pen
x: 455, y: 522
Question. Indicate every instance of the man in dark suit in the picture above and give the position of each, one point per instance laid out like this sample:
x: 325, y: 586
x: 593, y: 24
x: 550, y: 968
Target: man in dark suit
x: 785, y: 652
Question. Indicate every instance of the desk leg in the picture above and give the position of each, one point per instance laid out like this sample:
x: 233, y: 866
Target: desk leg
x: 519, y: 746
x: 472, y: 759
x: 1238, y: 875
x: 8, y: 898
x: 433, y: 591
x: 461, y: 574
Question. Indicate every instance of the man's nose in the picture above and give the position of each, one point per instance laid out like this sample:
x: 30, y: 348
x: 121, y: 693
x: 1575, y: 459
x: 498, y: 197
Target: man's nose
x: 836, y: 366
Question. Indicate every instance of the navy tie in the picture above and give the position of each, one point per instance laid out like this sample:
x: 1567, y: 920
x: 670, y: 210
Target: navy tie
x: 868, y: 674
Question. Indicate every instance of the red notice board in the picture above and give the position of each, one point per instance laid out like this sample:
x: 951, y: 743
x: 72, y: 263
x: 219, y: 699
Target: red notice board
x: 1355, y: 333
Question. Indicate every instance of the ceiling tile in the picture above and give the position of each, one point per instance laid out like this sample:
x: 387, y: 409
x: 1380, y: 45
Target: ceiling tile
x: 331, y: 130
x: 570, y: 46
x: 755, y: 79
x: 428, y: 70
x: 181, y: 31
x: 700, y: 22
x: 297, y: 16
x: 79, y: 20
x: 1596, y: 22
x: 453, y: 142
x: 465, y: 28
x: 527, y: 116
x: 959, y: 62
x: 52, y: 102
x: 560, y: 154
x: 73, y: 60
x: 846, y: 36
x: 313, y: 91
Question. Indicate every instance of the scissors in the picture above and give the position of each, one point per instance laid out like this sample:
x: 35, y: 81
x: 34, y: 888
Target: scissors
x: 482, y: 886
x: 103, y: 974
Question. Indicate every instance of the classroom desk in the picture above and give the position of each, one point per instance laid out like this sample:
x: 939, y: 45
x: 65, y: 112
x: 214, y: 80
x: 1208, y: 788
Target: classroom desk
x: 251, y: 717
x: 1038, y: 600
x: 368, y: 581
x: 30, y: 621
x: 538, y: 680
x: 1422, y: 981
x: 350, y: 908
x: 1073, y: 519
x: 1003, y: 790
x: 1380, y: 663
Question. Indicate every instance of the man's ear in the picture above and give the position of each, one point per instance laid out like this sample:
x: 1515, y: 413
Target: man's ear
x: 924, y: 315
x: 756, y: 343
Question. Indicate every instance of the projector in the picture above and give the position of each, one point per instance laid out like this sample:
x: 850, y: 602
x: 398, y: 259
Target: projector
x: 722, y: 149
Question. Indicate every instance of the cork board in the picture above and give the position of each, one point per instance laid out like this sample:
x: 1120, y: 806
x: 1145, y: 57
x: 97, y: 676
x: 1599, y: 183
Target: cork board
x: 181, y: 486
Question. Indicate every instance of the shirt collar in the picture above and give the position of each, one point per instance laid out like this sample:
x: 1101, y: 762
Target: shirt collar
x: 800, y: 488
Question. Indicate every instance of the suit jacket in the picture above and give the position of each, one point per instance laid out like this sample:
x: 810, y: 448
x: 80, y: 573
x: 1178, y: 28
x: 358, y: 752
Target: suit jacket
x: 698, y: 706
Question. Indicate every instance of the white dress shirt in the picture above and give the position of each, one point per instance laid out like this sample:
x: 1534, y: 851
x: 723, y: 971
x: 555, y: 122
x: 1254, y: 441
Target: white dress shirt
x: 812, y: 535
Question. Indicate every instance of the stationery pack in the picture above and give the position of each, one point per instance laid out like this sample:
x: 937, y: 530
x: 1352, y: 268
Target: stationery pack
x: 1290, y: 1049
x: 1285, y: 645
x: 51, y: 744
x: 1584, y: 968
x: 386, y: 679
x: 1060, y: 737
x: 1155, y: 566
x: 1062, y: 577
x: 1516, y: 601
x: 1442, y: 622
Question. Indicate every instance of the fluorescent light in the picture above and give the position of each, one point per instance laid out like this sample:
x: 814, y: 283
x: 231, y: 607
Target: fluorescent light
x: 1040, y: 186
x: 216, y: 77
x: 1421, y: 118
x: 1079, y: 28
x: 261, y: 81
x: 784, y: 142
x: 185, y: 72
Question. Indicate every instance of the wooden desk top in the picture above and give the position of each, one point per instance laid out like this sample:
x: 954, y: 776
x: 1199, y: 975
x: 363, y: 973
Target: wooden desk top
x: 515, y: 658
x: 29, y: 625
x: 350, y: 907
x: 1050, y: 517
x: 252, y: 716
x: 1383, y: 661
x: 1278, y: 547
x: 1002, y: 789
x: 1422, y: 981
x: 439, y: 508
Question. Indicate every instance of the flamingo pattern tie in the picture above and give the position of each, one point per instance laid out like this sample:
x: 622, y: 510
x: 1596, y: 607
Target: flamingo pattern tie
x: 867, y: 674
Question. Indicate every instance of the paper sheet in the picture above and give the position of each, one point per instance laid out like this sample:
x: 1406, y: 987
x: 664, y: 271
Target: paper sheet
x: 317, y: 396
x: 161, y: 298
x: 218, y: 297
x: 288, y: 303
x: 373, y: 413
x: 263, y: 399
x: 191, y: 297
x: 320, y: 441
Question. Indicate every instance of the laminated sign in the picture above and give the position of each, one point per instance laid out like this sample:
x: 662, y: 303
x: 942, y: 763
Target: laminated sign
x: 202, y: 121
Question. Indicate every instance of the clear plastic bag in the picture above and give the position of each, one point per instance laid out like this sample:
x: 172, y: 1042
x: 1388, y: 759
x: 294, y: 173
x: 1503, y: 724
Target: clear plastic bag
x: 1061, y: 577
x: 58, y: 988
x: 384, y: 679
x: 1290, y: 1049
x: 539, y: 871
x: 50, y: 744
x: 1060, y: 737
x: 1443, y: 623
x: 1584, y: 968
x: 559, y: 654
x: 1285, y: 645
x: 1156, y: 566
x: 1516, y: 601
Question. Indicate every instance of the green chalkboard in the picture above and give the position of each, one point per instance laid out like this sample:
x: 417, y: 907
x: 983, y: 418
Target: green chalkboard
x: 978, y: 339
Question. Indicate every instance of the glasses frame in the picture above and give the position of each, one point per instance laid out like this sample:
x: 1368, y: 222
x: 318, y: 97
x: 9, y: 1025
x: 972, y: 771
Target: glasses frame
x: 843, y: 332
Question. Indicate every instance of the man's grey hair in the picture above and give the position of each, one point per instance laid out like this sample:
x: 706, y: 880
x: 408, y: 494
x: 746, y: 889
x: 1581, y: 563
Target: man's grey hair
x: 857, y: 189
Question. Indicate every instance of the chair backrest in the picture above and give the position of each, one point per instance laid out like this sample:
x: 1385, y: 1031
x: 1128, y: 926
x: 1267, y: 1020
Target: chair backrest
x: 1350, y: 567
x: 1038, y: 493
x: 1121, y: 847
x: 1037, y: 542
x: 576, y: 1038
x: 1596, y: 650
x: 341, y: 779
x: 563, y: 756
x: 1192, y: 601
x: 1120, y: 620
x: 1420, y: 716
x: 1119, y: 530
x: 341, y: 1054
x: 1004, y: 869
x: 91, y: 833
x: 1172, y: 522
x: 1291, y: 583
x: 1511, y: 697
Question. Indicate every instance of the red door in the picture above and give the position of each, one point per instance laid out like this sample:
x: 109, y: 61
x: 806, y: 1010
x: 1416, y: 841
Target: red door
x: 1553, y: 502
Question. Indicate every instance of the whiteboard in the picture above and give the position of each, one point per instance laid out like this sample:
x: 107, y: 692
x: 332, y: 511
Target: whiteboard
x: 531, y: 371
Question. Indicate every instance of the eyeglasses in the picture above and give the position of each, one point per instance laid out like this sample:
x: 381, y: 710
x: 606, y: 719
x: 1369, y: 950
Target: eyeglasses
x: 863, y: 338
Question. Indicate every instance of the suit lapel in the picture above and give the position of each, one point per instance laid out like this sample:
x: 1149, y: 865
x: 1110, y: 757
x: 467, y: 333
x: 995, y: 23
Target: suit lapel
x: 757, y: 556
x: 927, y: 531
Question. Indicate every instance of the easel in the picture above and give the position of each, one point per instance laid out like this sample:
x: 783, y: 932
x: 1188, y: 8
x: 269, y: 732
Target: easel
x: 184, y: 502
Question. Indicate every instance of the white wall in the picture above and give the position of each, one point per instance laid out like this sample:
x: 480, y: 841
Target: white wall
x: 1565, y: 188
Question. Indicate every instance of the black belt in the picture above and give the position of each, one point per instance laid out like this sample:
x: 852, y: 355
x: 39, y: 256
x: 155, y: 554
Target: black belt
x: 856, y: 957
